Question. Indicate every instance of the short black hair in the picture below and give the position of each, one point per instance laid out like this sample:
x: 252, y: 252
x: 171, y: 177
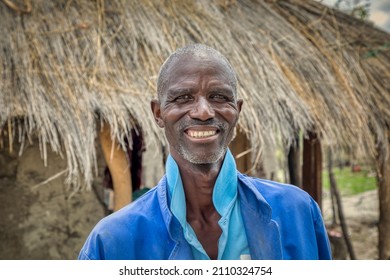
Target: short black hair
x: 194, y: 50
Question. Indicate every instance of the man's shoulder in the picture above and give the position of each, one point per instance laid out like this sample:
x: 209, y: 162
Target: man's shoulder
x: 282, y: 198
x: 146, y: 207
x: 143, y: 206
x: 121, y: 235
x: 273, y: 189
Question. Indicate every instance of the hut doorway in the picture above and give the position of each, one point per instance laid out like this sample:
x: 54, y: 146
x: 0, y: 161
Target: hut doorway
x: 123, y: 172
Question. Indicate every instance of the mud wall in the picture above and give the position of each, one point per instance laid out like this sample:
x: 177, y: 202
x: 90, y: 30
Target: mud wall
x: 40, y: 216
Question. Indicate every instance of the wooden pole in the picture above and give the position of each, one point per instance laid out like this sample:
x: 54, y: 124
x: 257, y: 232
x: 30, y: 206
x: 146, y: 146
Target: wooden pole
x: 343, y: 223
x: 294, y: 163
x: 312, y: 167
x: 383, y: 178
x: 119, y: 166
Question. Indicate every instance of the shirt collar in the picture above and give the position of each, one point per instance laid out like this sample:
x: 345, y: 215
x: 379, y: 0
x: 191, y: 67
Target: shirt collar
x: 225, y: 188
x: 176, y: 191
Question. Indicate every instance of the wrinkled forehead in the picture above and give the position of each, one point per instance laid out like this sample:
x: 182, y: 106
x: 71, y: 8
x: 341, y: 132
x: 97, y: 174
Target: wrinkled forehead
x: 202, y: 54
x: 194, y: 63
x: 187, y: 63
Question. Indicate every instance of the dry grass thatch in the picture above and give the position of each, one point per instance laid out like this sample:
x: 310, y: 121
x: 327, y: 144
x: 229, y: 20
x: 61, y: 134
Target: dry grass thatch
x: 301, y: 67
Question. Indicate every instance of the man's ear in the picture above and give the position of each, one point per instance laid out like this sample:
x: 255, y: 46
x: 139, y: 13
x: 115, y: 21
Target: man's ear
x: 156, y: 109
x: 239, y: 105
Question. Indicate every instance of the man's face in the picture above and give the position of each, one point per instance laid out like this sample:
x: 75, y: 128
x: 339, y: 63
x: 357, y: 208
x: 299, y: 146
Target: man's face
x: 198, y: 109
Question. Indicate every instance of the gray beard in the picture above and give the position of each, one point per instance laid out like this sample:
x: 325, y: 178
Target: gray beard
x: 199, y: 158
x: 202, y: 158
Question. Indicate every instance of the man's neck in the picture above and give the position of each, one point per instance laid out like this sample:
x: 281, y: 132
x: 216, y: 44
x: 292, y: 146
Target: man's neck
x: 198, y: 183
x: 201, y: 214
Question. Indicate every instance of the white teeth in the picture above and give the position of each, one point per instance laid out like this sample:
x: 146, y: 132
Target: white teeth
x: 201, y: 134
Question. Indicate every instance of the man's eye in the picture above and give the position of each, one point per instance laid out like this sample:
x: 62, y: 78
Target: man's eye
x: 183, y: 98
x: 218, y: 97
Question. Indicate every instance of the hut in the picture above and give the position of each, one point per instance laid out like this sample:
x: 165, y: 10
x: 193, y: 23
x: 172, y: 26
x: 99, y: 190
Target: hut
x: 304, y: 69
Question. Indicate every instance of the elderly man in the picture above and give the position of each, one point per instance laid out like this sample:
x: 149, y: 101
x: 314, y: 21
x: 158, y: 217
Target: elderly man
x: 203, y: 208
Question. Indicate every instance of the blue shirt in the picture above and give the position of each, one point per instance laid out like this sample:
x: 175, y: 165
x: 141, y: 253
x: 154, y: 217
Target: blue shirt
x: 232, y: 243
x: 281, y: 222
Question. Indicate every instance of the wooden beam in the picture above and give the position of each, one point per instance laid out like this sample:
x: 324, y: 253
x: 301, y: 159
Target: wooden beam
x: 294, y: 163
x: 119, y: 166
x: 383, y: 178
x: 312, y: 167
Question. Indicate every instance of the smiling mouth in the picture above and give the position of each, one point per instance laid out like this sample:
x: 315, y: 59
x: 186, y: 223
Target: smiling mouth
x: 201, y: 134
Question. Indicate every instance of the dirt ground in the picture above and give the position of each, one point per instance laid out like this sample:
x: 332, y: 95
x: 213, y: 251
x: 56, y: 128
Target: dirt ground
x: 361, y: 213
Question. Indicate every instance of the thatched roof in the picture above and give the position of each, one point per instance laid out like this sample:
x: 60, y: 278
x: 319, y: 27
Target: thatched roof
x: 301, y: 67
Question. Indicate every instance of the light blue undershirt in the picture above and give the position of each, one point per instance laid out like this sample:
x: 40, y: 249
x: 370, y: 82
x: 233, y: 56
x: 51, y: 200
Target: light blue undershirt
x: 232, y: 244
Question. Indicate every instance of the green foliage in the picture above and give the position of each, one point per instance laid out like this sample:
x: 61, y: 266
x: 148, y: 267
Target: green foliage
x: 361, y: 13
x: 349, y: 182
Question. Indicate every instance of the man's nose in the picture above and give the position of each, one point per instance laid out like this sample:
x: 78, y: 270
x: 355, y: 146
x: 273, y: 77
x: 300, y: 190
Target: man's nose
x: 202, y: 110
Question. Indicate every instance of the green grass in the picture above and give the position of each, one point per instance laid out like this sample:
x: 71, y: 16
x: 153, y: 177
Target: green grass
x: 349, y: 182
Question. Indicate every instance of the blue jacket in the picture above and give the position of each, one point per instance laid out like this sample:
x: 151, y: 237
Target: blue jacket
x: 281, y: 222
